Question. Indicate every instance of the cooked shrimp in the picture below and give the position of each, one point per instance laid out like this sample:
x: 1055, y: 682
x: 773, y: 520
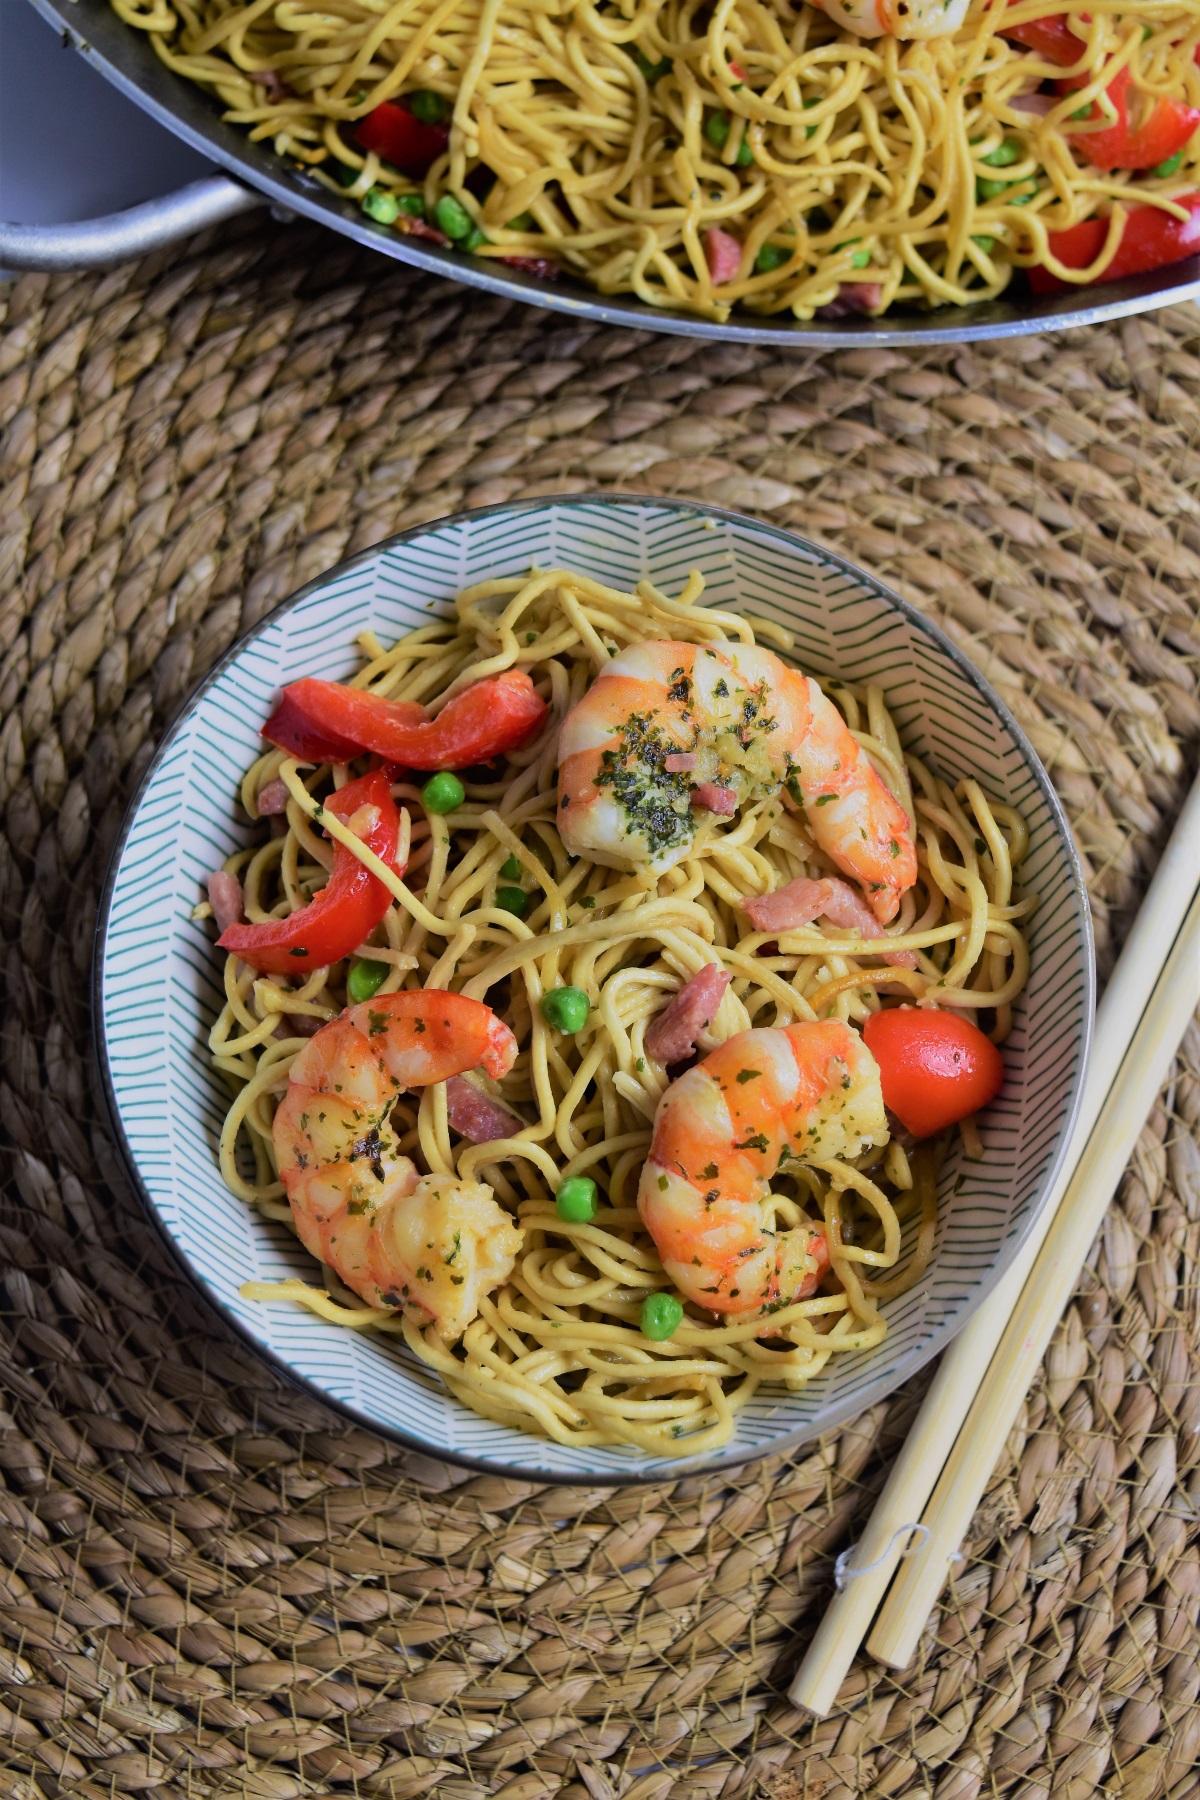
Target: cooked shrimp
x: 429, y: 1244
x: 804, y: 1093
x: 896, y: 18
x: 667, y: 727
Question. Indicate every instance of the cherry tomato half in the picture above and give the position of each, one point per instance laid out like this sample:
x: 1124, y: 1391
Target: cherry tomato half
x: 935, y: 1068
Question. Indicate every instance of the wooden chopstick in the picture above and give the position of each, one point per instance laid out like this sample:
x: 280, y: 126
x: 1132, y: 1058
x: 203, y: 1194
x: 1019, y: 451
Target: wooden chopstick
x: 1044, y: 1298
x: 957, y: 1381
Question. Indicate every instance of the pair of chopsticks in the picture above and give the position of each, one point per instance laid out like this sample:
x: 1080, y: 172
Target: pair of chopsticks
x: 940, y: 1474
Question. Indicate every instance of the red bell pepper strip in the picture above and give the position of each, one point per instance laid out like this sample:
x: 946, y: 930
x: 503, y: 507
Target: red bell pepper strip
x: 1166, y: 128
x: 401, y: 139
x: 347, y: 909
x: 1150, y: 240
x: 293, y: 726
x: 496, y: 714
x: 1052, y: 39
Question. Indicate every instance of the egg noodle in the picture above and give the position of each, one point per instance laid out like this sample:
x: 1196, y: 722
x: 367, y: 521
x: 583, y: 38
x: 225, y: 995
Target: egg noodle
x: 853, y: 172
x: 558, y: 1350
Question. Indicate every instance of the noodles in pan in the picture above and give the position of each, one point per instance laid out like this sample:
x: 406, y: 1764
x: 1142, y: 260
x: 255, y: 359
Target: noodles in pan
x: 748, y: 152
x: 559, y: 1347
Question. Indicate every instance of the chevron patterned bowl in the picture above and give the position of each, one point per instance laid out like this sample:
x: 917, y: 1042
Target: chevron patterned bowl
x: 158, y: 978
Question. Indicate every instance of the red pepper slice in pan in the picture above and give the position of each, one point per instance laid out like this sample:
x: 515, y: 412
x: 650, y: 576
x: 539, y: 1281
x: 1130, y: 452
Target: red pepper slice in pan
x: 1150, y: 240
x: 499, y: 713
x: 399, y: 137
x: 1164, y: 130
x: 346, y: 911
x: 1051, y: 38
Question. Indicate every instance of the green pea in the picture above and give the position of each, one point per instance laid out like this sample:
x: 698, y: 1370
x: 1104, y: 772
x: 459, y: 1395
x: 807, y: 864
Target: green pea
x: 575, y: 1200
x: 662, y: 1315
x: 513, y: 900
x: 443, y: 792
x: 1082, y: 112
x: 1004, y: 154
x: 452, y: 217
x: 411, y: 205
x: 771, y: 256
x: 986, y: 244
x: 366, y: 977
x: 473, y: 242
x: 716, y: 129
x: 986, y: 189
x: 567, y: 1009
x: 860, y: 259
x: 427, y: 106
x: 652, y: 71
x: 510, y: 868
x: 381, y: 206
x: 523, y: 222
x: 1171, y: 167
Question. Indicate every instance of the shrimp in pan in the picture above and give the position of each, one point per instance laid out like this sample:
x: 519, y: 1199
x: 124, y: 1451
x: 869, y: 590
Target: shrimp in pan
x: 896, y: 18
x: 431, y: 1245
x: 807, y: 1092
x: 669, y: 728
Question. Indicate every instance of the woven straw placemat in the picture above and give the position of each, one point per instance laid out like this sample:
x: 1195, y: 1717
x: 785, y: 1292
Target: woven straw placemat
x: 209, y: 1586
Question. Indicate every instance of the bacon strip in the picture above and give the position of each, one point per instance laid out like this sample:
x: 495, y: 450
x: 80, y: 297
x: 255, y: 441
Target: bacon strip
x: 720, y: 800
x: 475, y: 1115
x: 723, y: 253
x: 225, y: 898
x: 275, y: 89
x: 853, y: 297
x: 680, y: 762
x: 298, y: 1025
x: 410, y: 227
x: 804, y: 900
x: 672, y: 1035
x: 544, y: 267
x: 272, y: 798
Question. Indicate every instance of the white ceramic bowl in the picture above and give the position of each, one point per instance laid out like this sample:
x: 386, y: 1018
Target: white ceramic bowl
x: 157, y: 974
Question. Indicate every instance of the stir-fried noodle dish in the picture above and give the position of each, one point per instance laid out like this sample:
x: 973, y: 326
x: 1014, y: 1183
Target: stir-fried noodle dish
x: 763, y: 154
x: 600, y: 996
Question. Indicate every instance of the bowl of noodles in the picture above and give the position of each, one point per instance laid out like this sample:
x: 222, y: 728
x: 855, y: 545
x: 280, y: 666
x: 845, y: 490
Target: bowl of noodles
x: 614, y: 965
x: 942, y: 169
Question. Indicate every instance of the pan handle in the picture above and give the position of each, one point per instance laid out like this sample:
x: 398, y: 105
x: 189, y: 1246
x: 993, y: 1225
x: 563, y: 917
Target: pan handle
x: 120, y: 236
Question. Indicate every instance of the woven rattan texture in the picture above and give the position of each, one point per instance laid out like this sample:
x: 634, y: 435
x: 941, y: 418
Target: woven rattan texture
x: 208, y: 1585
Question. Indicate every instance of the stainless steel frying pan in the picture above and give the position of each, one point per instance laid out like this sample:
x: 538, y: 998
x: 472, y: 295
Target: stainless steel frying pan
x: 257, y: 177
